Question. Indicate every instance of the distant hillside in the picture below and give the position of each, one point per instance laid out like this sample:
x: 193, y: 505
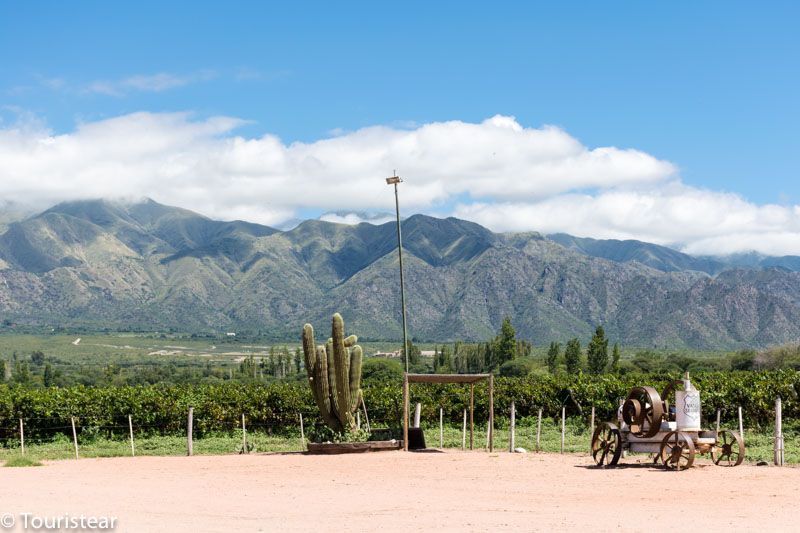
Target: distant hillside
x: 667, y: 259
x: 100, y: 264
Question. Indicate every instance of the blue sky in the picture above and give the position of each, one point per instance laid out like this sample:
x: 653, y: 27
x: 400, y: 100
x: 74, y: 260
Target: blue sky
x: 709, y: 87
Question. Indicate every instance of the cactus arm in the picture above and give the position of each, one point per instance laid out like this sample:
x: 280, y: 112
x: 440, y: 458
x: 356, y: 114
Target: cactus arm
x: 322, y: 392
x: 309, y: 350
x: 341, y: 356
x: 331, y: 377
x: 356, y: 357
x: 350, y: 341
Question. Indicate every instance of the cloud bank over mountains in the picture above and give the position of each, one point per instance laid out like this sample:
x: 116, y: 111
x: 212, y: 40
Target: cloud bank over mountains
x: 497, y: 172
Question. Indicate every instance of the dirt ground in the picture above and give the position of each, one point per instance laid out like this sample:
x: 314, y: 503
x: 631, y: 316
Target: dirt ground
x: 393, y: 491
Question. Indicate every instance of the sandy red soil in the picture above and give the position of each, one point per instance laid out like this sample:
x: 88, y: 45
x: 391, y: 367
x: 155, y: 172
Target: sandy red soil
x: 393, y: 491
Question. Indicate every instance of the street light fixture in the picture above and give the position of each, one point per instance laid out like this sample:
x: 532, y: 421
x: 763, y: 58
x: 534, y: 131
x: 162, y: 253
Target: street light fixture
x: 394, y: 180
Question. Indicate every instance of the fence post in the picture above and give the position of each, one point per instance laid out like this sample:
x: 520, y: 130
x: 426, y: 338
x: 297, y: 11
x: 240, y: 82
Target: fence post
x: 302, y: 434
x: 718, y: 414
x: 74, y: 436
x: 464, y: 433
x: 563, y: 428
x: 244, y: 436
x: 189, y: 430
x: 491, y: 412
x: 512, y: 428
x: 778, y: 432
x: 358, y: 419
x: 21, y: 436
x: 417, y: 414
x: 366, y: 416
x: 741, y: 425
x: 130, y: 428
x: 441, y: 428
x: 539, y: 430
x: 471, y: 414
x: 591, y: 429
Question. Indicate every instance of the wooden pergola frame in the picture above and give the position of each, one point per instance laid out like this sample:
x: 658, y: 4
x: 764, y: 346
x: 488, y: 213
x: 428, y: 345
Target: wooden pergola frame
x: 451, y: 378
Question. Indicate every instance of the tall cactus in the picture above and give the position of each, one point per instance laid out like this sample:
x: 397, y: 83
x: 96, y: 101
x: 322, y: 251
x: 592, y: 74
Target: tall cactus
x: 334, y: 373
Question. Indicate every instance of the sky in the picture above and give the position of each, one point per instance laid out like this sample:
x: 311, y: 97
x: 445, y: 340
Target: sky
x: 672, y: 122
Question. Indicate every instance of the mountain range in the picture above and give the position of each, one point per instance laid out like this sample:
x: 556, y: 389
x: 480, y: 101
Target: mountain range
x: 145, y: 266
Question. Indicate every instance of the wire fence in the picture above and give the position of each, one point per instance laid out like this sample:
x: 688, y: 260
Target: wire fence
x: 62, y: 436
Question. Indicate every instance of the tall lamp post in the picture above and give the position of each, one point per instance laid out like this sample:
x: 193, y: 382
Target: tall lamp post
x: 394, y: 180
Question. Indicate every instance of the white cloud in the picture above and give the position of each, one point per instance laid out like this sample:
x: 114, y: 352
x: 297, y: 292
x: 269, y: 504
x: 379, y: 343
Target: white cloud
x: 695, y: 220
x: 352, y: 219
x: 159, y: 82
x: 498, y: 172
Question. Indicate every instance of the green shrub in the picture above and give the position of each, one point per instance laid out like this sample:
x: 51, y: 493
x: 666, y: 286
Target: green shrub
x: 275, y: 407
x: 21, y: 460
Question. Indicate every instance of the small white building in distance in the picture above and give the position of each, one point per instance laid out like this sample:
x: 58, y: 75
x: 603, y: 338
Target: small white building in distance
x: 396, y: 353
x: 230, y: 334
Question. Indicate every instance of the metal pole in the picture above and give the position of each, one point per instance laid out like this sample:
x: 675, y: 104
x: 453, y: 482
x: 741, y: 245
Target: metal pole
x: 402, y: 283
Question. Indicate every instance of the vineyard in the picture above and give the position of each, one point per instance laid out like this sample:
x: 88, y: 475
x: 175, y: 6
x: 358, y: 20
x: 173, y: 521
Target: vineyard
x: 275, y: 408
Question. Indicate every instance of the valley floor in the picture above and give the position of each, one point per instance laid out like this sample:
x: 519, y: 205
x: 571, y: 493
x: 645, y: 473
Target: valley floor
x: 397, y: 491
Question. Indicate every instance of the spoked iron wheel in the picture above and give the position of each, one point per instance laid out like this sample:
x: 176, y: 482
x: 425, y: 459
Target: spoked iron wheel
x: 606, y: 444
x: 643, y: 411
x: 677, y: 451
x: 729, y: 449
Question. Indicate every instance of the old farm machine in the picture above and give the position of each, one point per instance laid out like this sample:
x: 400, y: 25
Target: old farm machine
x: 652, y: 423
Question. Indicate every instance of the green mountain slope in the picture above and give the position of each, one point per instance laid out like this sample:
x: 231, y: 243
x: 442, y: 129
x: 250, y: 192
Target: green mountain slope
x: 101, y: 264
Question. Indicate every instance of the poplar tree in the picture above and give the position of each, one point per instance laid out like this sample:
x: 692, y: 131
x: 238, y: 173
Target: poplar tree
x: 572, y: 356
x: 552, y: 357
x: 615, y: 359
x: 597, y: 352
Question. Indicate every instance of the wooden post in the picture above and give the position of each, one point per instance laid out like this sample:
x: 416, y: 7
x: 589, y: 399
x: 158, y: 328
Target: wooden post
x: 302, y: 434
x: 464, y: 433
x: 741, y: 425
x: 358, y: 419
x: 591, y: 424
x: 512, y: 428
x: 130, y: 429
x: 563, y: 427
x: 539, y: 430
x: 488, y: 433
x: 21, y: 437
x: 778, y: 432
x: 244, y: 436
x: 74, y: 436
x: 405, y: 411
x: 471, y: 414
x: 417, y: 414
x: 441, y: 428
x: 189, y: 430
x: 366, y: 416
x: 491, y: 412
x: 718, y: 414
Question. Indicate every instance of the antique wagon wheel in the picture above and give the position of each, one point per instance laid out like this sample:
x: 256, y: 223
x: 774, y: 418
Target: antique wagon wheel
x: 677, y: 451
x: 606, y: 444
x: 667, y: 395
x: 643, y: 411
x: 729, y: 449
